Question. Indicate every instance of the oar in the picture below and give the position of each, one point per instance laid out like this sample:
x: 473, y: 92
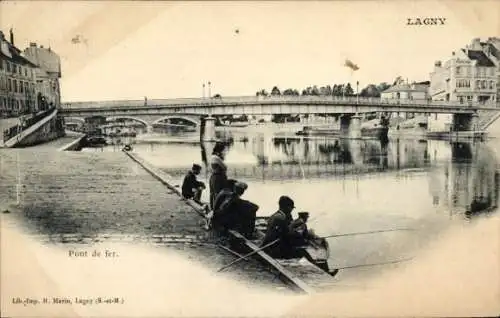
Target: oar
x: 247, y: 255
x: 368, y: 232
x: 376, y: 264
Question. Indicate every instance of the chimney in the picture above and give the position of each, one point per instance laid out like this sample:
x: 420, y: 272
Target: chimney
x: 476, y: 44
x: 11, y: 37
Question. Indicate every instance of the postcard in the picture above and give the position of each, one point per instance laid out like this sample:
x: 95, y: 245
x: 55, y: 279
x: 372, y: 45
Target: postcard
x: 249, y: 158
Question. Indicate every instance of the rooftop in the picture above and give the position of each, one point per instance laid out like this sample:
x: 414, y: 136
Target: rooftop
x: 480, y: 57
x: 414, y: 87
x: 12, y: 53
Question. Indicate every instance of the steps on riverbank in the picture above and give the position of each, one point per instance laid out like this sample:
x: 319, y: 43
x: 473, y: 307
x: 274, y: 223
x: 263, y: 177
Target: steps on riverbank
x: 487, y: 117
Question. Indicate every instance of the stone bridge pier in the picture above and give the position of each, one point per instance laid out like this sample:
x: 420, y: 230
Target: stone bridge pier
x: 207, y: 128
x: 350, y: 126
x: 465, y: 122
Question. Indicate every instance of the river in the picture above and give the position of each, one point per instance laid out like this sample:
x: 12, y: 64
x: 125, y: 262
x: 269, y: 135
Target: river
x: 422, y: 186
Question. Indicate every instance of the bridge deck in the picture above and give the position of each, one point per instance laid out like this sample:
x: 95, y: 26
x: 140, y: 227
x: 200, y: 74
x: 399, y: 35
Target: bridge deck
x: 270, y: 105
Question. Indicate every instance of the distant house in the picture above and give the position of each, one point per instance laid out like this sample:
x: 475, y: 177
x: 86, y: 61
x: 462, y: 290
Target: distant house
x: 470, y: 75
x: 405, y: 91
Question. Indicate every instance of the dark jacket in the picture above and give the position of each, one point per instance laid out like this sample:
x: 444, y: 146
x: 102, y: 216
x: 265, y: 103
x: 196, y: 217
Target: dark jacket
x: 232, y: 212
x: 298, y: 232
x: 221, y: 202
x: 278, y: 228
x: 218, y: 178
x: 190, y: 182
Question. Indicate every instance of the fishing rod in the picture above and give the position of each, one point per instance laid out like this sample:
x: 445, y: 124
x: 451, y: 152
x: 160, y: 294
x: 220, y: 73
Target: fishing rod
x: 367, y: 232
x: 376, y: 264
x: 249, y: 254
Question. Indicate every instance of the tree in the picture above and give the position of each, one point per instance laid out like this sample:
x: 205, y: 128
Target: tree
x: 275, y: 91
x: 348, y: 90
x: 315, y: 91
x: 328, y: 90
x: 262, y: 92
x: 382, y: 87
x: 370, y: 91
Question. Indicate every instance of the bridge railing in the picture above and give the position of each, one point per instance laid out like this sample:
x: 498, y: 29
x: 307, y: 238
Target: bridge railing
x: 252, y: 100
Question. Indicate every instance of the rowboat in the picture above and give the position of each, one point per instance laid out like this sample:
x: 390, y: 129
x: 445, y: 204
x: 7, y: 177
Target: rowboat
x: 309, y: 266
x: 317, y: 252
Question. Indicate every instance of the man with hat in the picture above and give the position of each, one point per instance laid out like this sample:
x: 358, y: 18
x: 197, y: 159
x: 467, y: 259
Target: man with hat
x: 220, y: 204
x: 191, y: 187
x: 233, y: 212
x: 278, y: 227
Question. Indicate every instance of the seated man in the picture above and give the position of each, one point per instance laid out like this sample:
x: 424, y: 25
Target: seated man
x: 278, y: 228
x: 232, y: 212
x: 299, y: 234
x: 220, y: 202
x: 191, y: 187
x: 245, y: 212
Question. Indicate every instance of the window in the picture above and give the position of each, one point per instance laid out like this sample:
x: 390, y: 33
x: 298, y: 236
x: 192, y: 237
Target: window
x: 20, y: 86
x: 457, y: 71
x: 9, y: 83
x: 491, y: 84
x: 1, y: 64
x: 477, y: 84
x: 26, y: 72
x: 15, y: 86
x: 14, y: 68
x: 8, y: 66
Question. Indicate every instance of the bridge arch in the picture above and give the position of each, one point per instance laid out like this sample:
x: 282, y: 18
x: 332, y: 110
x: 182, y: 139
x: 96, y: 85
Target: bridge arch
x: 113, y: 118
x: 189, y: 119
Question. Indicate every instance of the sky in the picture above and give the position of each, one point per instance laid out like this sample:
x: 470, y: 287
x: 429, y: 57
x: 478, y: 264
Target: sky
x: 169, y: 49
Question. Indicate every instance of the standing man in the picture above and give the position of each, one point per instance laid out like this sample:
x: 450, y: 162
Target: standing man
x: 191, y: 187
x: 278, y: 227
x: 218, y: 178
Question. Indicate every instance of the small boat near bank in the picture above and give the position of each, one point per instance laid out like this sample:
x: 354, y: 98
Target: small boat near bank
x: 237, y: 124
x: 318, y: 131
x: 315, y: 252
x: 305, y: 274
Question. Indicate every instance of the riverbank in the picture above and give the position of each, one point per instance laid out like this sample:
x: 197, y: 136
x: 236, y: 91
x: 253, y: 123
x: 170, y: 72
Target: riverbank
x: 83, y: 200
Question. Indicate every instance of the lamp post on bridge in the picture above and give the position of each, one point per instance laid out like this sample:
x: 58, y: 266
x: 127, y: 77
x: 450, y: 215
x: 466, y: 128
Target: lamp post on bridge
x: 203, y: 91
x: 357, y: 92
x: 357, y: 96
x: 209, y: 89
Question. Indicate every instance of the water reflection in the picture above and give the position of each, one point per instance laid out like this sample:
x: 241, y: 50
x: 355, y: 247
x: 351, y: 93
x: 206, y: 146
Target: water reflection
x: 315, y: 157
x: 462, y: 177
